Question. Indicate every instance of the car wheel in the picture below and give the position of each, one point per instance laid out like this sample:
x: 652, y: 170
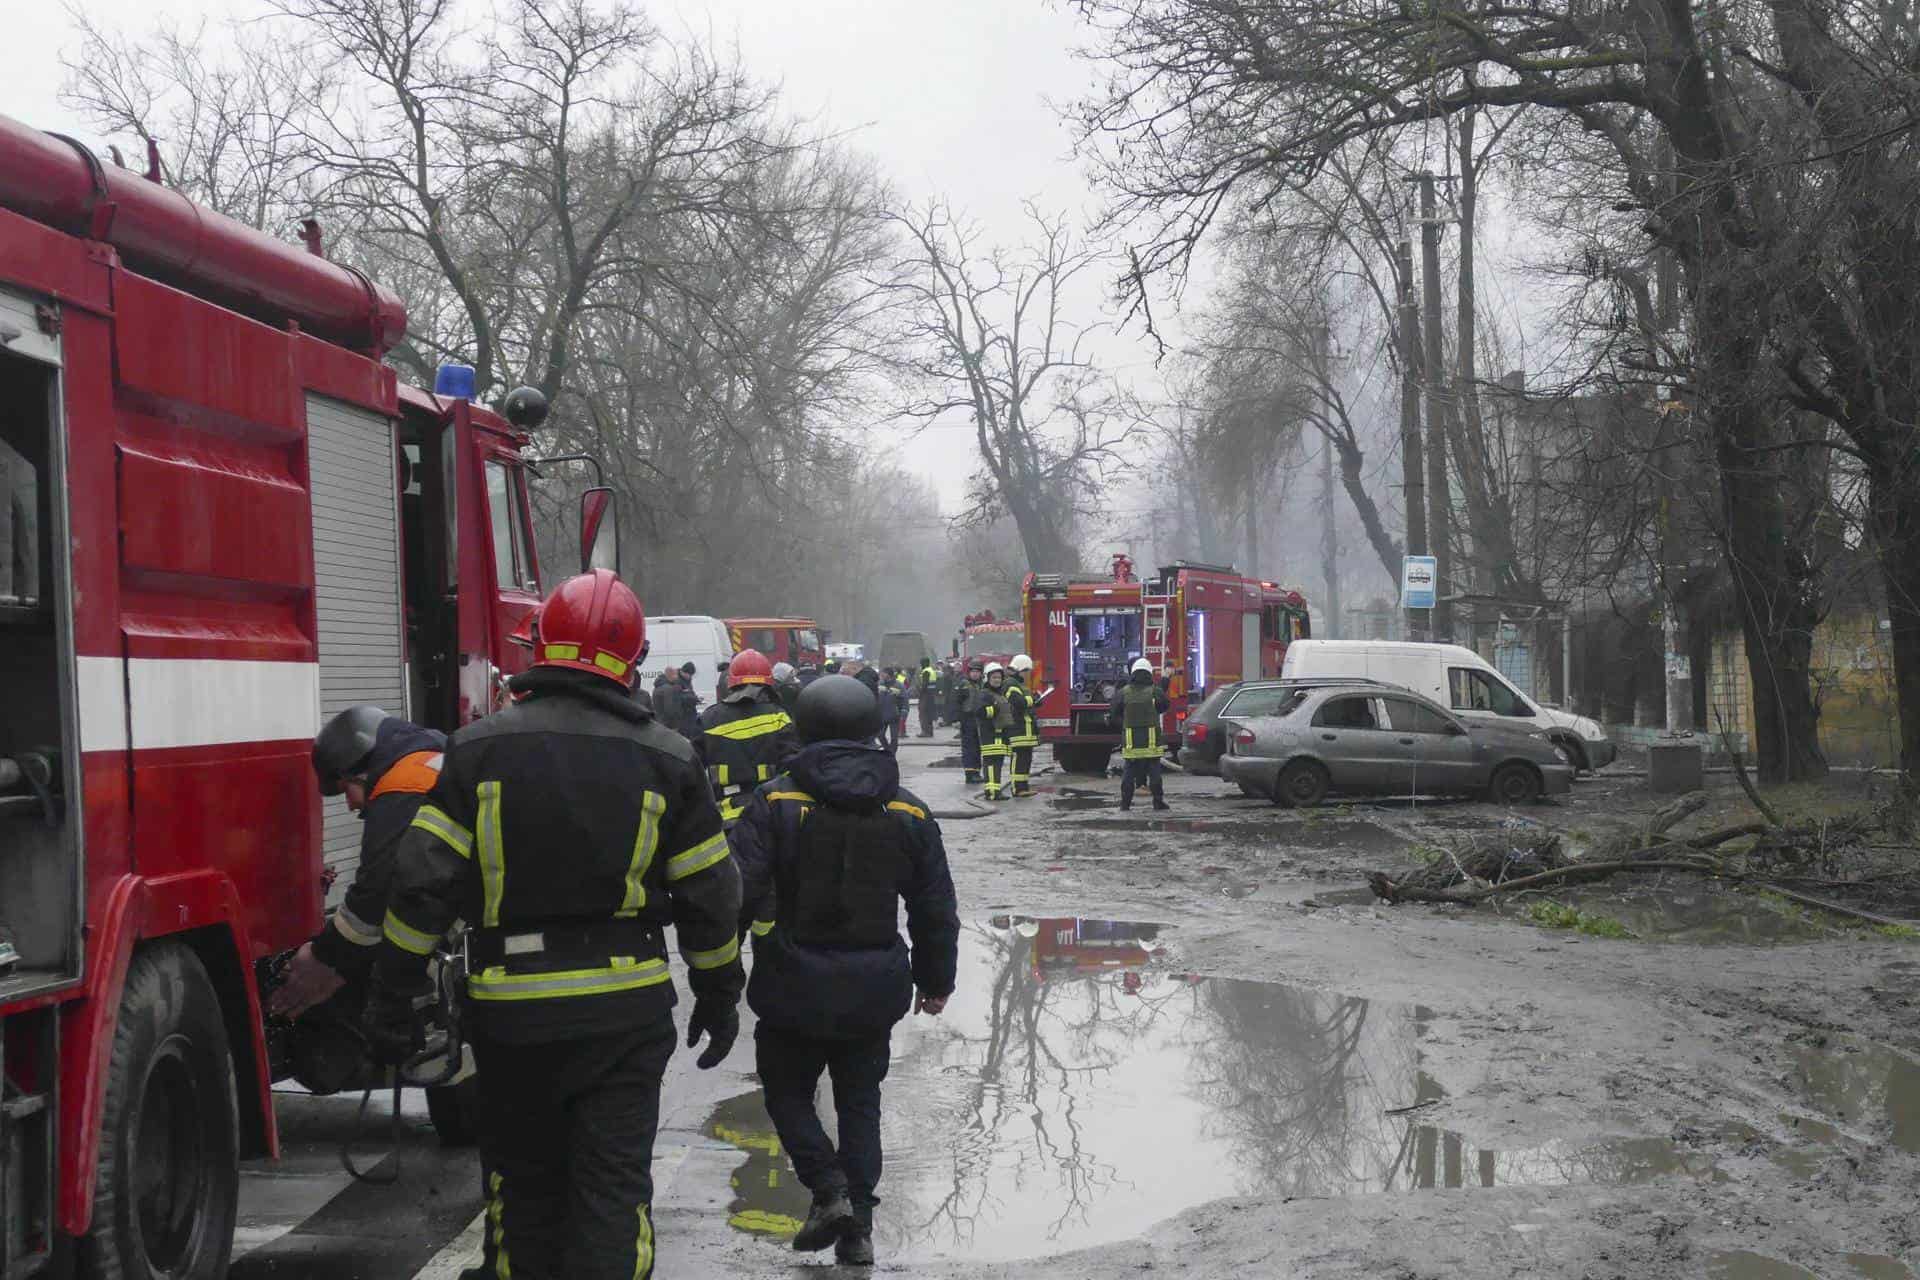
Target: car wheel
x: 1302, y: 784
x: 1513, y: 784
x: 167, y: 1188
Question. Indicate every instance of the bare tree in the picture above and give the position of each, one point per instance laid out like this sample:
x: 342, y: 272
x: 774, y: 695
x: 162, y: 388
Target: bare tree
x: 987, y: 334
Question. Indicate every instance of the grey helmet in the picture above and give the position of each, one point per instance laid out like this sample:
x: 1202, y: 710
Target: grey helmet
x: 343, y: 746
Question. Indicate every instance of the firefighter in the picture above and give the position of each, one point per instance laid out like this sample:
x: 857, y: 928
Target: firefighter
x: 827, y: 853
x: 746, y: 737
x: 1138, y: 705
x: 384, y: 766
x: 786, y: 683
x: 1026, y: 724
x: 926, y: 690
x: 890, y: 709
x: 570, y: 829
x: 943, y: 691
x: 995, y: 718
x: 903, y: 686
x: 967, y: 702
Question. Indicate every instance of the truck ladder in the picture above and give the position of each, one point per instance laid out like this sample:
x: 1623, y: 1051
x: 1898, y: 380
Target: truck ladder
x: 1153, y: 644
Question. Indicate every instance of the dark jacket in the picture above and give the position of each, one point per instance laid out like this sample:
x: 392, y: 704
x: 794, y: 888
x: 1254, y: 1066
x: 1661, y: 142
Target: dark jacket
x: 842, y: 993
x: 742, y: 742
x: 570, y: 829
x: 402, y: 769
x: 676, y: 705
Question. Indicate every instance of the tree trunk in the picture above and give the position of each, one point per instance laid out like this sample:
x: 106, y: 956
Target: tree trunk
x: 1895, y: 510
x: 1353, y: 479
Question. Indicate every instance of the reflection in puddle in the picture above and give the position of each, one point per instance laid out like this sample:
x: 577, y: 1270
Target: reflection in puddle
x: 1871, y: 1089
x: 1878, y: 1266
x: 1079, y: 1090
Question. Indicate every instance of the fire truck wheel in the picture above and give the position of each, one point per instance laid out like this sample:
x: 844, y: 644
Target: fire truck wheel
x: 455, y: 1112
x: 169, y: 1178
x: 1079, y: 758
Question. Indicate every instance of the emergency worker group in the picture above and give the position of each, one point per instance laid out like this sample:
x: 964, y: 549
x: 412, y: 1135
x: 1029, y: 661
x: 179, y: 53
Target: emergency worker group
x: 570, y: 829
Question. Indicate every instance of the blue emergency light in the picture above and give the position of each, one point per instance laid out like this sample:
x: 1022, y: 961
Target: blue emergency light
x: 454, y: 381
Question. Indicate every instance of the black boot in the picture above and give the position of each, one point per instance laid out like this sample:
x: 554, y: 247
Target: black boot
x: 1161, y: 804
x: 827, y: 1222
x: 855, y: 1249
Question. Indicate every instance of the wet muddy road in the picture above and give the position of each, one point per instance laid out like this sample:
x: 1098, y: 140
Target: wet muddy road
x: 1190, y: 1043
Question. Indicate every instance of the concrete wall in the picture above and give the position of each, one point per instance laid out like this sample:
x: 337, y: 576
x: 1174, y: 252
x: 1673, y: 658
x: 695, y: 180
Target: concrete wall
x: 1852, y: 673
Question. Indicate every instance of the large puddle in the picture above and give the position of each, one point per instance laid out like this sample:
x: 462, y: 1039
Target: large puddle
x: 1080, y: 1088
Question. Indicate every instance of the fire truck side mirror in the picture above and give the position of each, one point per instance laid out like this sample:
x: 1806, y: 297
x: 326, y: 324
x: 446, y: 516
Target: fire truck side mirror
x: 599, y: 531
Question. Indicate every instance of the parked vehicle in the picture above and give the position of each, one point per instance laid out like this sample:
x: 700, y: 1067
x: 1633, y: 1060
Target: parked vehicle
x: 686, y: 637
x: 1201, y: 626
x: 984, y: 638
x: 1370, y: 740
x: 1206, y: 733
x: 1456, y: 677
x: 906, y: 650
x: 230, y: 521
x: 798, y: 641
x: 846, y: 653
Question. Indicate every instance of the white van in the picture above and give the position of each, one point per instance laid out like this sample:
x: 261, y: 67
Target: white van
x: 1453, y: 676
x: 686, y: 637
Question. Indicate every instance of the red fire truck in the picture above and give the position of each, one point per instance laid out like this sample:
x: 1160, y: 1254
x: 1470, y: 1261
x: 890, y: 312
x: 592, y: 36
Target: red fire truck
x: 224, y: 520
x: 794, y: 640
x: 1203, y: 625
x: 984, y: 638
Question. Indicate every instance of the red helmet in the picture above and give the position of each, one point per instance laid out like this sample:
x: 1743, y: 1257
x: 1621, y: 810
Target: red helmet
x: 749, y: 666
x: 592, y: 623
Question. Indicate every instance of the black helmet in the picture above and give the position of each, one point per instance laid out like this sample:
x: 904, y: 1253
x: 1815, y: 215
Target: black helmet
x: 344, y: 745
x: 868, y: 677
x: 837, y: 707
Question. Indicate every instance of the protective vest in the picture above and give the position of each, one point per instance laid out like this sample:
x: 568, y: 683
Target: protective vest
x: 843, y: 890
x: 996, y: 722
x: 1026, y: 724
x: 743, y: 744
x: 1140, y: 722
x: 928, y: 677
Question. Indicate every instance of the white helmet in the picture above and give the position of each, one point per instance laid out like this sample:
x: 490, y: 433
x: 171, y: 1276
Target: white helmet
x: 782, y: 672
x: 991, y: 668
x: 1141, y: 664
x: 1022, y: 662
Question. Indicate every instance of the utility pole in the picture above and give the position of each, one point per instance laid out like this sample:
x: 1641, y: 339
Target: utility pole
x: 1439, y: 412
x: 1329, y: 539
x: 1413, y: 485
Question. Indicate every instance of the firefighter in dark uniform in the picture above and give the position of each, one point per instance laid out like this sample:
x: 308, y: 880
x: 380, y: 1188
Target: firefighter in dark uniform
x: 384, y: 766
x: 569, y: 830
x: 1138, y: 706
x: 966, y: 701
x: 746, y: 737
x: 943, y: 690
x: 827, y: 853
x: 1026, y: 724
x: 995, y: 718
x: 890, y: 710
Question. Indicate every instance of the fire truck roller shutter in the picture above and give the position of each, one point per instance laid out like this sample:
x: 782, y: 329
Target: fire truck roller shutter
x: 1249, y: 644
x: 356, y: 570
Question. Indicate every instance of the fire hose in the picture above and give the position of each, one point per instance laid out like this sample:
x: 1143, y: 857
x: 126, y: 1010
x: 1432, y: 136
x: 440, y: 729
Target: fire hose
x: 445, y: 1008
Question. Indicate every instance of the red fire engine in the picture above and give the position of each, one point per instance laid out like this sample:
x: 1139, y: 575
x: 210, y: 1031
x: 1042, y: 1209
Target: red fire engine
x: 1203, y: 625
x: 794, y: 640
x: 984, y: 638
x: 224, y: 521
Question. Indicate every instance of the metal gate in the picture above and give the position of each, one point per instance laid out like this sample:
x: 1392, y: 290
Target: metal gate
x: 356, y: 572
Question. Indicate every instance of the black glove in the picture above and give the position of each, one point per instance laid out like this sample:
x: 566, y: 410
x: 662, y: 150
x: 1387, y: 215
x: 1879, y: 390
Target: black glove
x: 392, y: 1021
x: 721, y: 1023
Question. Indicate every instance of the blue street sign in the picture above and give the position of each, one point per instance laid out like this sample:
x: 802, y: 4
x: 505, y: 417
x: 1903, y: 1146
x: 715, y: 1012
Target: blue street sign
x: 1417, y: 578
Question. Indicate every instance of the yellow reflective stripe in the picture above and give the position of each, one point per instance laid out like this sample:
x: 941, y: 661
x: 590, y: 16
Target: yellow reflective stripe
x: 761, y: 928
x: 434, y: 820
x: 643, y: 1245
x: 493, y: 861
x: 722, y: 955
x: 721, y: 777
x: 561, y: 652
x: 646, y: 843
x: 731, y: 808
x: 698, y: 858
x: 622, y: 975
x: 406, y: 937
x: 901, y: 806
x: 751, y: 726
x: 801, y: 796
x: 608, y: 663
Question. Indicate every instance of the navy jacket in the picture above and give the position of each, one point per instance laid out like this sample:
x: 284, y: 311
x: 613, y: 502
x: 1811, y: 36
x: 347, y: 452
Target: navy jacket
x: 843, y: 994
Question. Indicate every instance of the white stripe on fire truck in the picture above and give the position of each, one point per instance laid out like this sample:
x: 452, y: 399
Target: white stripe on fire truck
x: 195, y: 702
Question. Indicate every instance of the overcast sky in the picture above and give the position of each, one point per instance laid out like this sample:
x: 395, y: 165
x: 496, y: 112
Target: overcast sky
x: 950, y: 99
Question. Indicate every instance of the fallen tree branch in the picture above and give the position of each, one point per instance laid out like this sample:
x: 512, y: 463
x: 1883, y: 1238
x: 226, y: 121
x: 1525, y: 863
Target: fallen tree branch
x: 1740, y: 771
x: 1386, y: 888
x: 1808, y: 900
